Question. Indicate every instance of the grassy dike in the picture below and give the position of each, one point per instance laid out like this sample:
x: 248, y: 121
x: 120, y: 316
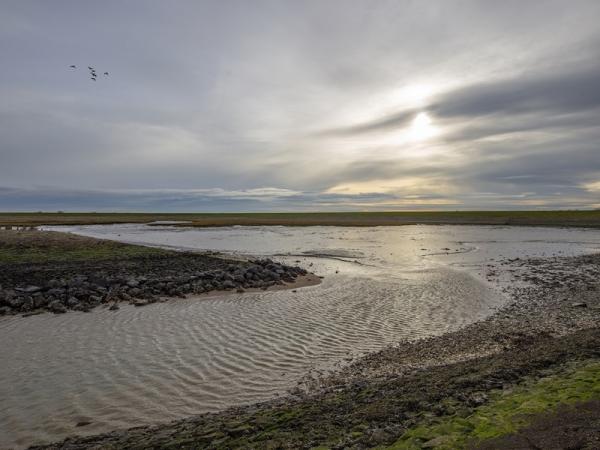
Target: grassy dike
x: 574, y: 218
x: 505, y: 412
x: 29, y: 247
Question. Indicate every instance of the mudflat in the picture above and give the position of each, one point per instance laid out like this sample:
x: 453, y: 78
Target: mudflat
x: 540, y: 352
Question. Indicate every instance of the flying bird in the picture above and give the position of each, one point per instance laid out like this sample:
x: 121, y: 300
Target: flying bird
x: 93, y: 73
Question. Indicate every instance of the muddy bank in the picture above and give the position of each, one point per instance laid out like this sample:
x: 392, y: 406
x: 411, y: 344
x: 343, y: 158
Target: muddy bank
x: 552, y: 322
x: 48, y: 271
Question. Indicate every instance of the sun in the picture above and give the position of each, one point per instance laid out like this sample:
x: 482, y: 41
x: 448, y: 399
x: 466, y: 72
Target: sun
x: 422, y: 128
x: 415, y: 95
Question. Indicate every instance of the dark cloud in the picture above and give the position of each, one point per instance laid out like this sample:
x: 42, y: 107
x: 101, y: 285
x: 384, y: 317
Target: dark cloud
x: 543, y: 94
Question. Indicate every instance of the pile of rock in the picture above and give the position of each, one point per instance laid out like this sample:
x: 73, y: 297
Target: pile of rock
x: 84, y: 292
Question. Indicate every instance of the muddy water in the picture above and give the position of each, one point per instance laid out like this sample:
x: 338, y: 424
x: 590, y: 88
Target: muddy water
x: 168, y: 360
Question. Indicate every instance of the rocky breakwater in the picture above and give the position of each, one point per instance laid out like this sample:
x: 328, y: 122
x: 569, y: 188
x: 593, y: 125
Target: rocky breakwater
x: 84, y: 291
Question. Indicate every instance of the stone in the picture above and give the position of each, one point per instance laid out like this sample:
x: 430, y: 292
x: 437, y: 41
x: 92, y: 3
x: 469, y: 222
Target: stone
x: 15, y: 302
x: 579, y: 305
x: 53, y: 283
x: 477, y: 399
x: 57, y: 307
x: 95, y: 300
x: 27, y: 304
x: 113, y: 307
x: 39, y: 300
x: 436, y: 442
x: 72, y: 301
x: 379, y: 436
x: 228, y: 284
x: 29, y: 289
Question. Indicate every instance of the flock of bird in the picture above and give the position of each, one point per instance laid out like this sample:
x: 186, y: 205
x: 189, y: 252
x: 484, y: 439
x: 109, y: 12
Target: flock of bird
x: 93, y: 74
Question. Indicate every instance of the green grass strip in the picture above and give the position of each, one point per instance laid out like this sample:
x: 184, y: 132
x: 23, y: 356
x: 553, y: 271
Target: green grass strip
x: 505, y: 412
x: 102, y: 252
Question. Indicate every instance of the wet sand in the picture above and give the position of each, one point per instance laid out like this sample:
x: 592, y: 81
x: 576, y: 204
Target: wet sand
x: 552, y: 321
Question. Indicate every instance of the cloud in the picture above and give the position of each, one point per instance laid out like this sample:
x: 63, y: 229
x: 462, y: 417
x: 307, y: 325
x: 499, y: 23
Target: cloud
x: 570, y: 92
x: 208, y: 103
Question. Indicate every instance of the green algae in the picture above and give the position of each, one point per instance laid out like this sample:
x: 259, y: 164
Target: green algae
x: 505, y: 412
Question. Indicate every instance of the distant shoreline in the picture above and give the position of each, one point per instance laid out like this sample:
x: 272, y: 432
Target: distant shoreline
x: 562, y: 218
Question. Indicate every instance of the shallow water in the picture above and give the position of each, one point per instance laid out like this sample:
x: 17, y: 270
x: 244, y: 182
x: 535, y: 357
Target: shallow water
x: 168, y: 360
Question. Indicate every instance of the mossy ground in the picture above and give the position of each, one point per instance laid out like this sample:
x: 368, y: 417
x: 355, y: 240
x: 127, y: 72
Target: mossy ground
x: 21, y: 247
x: 505, y: 412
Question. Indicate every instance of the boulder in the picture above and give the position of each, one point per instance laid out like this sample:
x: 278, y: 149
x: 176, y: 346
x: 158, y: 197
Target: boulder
x: 27, y: 304
x: 28, y: 289
x: 57, y: 307
x: 39, y: 300
x: 228, y: 284
x: 72, y: 302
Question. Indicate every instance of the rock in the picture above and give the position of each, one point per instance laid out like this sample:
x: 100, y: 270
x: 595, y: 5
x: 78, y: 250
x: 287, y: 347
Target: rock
x: 56, y: 292
x: 94, y: 300
x: 29, y: 289
x: 436, y: 442
x: 39, y: 300
x: 477, y: 399
x: 15, y: 302
x: 27, y: 304
x: 132, y: 282
x: 579, y: 305
x: 228, y: 284
x: 113, y: 307
x: 53, y: 283
x: 57, y: 307
x: 240, y: 290
x: 379, y: 436
x: 4, y: 310
x: 72, y: 301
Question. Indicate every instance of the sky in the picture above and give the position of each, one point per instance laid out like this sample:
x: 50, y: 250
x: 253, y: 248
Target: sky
x: 299, y: 105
